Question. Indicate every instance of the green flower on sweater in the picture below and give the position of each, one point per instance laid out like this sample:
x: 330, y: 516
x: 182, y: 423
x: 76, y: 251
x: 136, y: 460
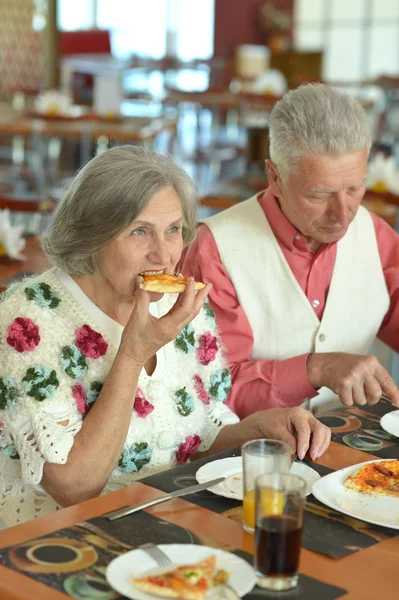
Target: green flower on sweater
x: 8, y: 392
x: 11, y: 452
x: 220, y: 385
x: 184, y: 402
x: 185, y: 341
x: 40, y: 382
x: 41, y: 294
x: 134, y: 458
x: 73, y: 362
x: 210, y: 315
x: 94, y: 392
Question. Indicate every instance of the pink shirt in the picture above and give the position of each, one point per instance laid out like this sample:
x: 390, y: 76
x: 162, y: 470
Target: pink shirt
x: 260, y: 384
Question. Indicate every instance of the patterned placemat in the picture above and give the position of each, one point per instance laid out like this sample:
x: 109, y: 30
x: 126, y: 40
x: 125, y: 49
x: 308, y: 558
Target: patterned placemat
x: 74, y: 561
x: 359, y: 428
x: 326, y: 531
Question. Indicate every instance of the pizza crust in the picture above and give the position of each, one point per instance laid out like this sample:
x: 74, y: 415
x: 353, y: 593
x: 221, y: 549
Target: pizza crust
x: 168, y: 288
x: 165, y: 283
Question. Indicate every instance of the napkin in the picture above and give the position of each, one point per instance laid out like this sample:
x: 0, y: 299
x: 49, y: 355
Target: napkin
x: 383, y: 174
x: 11, y: 240
x: 53, y: 103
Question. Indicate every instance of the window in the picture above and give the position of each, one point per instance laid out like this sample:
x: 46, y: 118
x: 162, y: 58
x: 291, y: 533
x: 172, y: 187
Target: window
x: 359, y: 38
x: 152, y: 28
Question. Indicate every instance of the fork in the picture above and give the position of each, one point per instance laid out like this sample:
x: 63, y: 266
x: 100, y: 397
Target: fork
x: 222, y: 591
x: 156, y: 554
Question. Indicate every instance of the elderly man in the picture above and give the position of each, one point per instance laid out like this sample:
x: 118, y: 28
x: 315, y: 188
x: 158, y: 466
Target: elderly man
x: 304, y: 278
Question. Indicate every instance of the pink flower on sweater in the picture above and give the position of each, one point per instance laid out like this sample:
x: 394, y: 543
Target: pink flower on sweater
x: 208, y: 347
x: 90, y: 342
x: 23, y: 334
x: 141, y: 404
x: 200, y: 389
x: 79, y: 394
x: 190, y: 447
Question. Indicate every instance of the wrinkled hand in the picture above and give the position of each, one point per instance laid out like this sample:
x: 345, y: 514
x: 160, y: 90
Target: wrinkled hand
x: 145, y: 334
x: 354, y: 378
x: 296, y: 426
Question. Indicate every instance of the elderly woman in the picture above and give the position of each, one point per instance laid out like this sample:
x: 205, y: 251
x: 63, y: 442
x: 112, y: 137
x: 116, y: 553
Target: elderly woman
x: 102, y: 382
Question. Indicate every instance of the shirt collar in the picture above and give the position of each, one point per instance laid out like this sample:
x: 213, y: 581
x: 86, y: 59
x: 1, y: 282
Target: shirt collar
x: 283, y: 230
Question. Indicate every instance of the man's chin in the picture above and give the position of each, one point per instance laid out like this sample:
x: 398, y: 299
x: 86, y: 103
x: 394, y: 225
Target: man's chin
x: 330, y: 236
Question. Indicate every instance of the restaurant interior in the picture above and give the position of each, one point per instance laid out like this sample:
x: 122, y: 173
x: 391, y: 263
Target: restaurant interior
x: 195, y: 80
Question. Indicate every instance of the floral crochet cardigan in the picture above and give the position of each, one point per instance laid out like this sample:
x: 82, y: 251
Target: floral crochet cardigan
x: 56, y: 349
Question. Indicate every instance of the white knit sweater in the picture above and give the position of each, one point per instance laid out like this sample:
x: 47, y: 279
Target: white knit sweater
x: 56, y: 349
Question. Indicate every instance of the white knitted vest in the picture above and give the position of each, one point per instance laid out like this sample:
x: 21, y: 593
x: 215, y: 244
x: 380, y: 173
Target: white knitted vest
x: 180, y: 404
x: 283, y: 322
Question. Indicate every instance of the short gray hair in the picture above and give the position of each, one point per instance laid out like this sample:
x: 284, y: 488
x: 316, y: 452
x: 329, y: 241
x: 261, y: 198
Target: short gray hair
x: 314, y: 119
x: 102, y: 200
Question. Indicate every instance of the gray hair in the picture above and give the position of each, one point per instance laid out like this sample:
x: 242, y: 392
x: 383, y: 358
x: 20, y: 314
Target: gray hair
x: 314, y: 119
x: 104, y: 197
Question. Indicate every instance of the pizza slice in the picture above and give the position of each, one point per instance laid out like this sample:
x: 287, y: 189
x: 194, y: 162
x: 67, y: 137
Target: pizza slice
x: 189, y: 582
x: 164, y: 283
x: 376, y: 478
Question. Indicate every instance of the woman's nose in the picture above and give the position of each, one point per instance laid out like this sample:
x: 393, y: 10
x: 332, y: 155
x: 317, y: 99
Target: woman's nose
x: 159, y: 252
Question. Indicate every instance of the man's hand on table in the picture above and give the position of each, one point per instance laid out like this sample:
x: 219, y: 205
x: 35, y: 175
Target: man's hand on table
x: 296, y: 426
x: 355, y: 378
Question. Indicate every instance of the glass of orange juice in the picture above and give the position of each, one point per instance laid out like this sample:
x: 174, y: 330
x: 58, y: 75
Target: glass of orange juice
x: 258, y: 458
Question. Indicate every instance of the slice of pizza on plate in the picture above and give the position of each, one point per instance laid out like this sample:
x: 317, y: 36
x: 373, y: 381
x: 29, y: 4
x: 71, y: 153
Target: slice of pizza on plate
x: 189, y: 582
x: 376, y: 478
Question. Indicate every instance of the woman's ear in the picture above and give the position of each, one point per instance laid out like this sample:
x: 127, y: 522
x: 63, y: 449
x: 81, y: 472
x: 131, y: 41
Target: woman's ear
x: 273, y: 178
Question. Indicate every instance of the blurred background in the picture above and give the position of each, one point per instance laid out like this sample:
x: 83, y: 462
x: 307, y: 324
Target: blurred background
x: 193, y: 78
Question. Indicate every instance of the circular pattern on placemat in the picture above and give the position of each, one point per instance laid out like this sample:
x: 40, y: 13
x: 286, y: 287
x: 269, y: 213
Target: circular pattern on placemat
x: 53, y: 555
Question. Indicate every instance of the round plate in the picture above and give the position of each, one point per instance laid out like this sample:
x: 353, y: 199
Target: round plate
x: 136, y: 563
x: 231, y: 469
x: 390, y: 422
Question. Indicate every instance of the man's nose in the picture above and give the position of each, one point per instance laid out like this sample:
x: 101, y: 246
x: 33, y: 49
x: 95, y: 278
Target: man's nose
x: 338, y: 210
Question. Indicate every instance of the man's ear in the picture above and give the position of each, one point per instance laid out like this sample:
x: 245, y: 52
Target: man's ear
x: 273, y: 178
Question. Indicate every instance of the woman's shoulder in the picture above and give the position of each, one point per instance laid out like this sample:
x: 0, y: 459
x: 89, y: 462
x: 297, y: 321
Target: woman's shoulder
x: 39, y: 291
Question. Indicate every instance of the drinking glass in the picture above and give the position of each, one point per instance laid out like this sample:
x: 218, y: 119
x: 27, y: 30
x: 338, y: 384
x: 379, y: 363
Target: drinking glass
x: 278, y: 532
x: 259, y: 457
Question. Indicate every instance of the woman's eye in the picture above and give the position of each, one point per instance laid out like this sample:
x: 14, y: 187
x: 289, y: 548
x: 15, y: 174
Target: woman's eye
x: 138, y: 232
x: 174, y: 229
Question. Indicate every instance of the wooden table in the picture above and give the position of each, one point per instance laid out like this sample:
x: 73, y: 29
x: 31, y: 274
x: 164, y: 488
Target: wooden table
x: 140, y: 130
x: 369, y: 574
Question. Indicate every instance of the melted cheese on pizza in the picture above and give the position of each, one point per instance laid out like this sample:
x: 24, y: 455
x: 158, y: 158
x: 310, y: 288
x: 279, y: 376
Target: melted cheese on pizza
x: 376, y: 478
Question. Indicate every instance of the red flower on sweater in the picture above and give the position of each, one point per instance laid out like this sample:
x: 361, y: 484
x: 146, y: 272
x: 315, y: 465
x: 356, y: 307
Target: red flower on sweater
x: 80, y: 396
x: 200, y: 389
x: 90, y: 342
x: 190, y: 447
x: 141, y: 404
x: 23, y: 334
x: 208, y: 347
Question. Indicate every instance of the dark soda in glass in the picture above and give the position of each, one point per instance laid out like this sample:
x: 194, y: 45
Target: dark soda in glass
x: 277, y: 545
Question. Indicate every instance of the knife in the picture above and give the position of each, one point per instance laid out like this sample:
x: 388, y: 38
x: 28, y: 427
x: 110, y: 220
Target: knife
x: 103, y: 534
x: 128, y: 510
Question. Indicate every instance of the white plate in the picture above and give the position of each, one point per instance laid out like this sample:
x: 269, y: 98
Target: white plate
x: 390, y: 422
x: 231, y: 468
x: 136, y: 563
x: 380, y: 510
